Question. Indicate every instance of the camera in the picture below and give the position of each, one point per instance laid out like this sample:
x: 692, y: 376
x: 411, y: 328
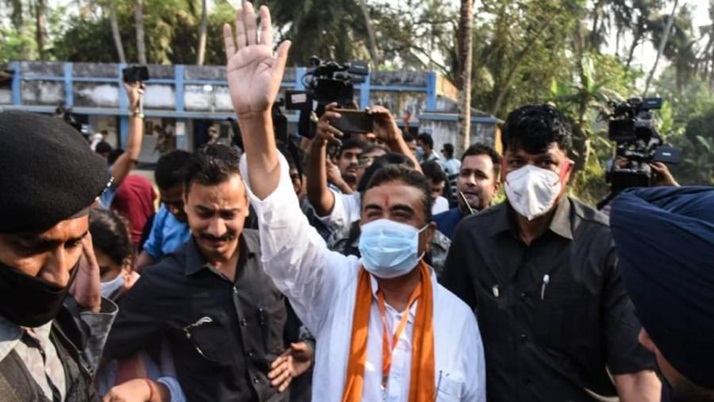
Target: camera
x: 135, y: 74
x: 325, y: 82
x: 329, y: 81
x: 631, y: 127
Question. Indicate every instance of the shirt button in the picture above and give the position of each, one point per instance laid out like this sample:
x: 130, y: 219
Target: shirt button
x: 250, y: 354
x: 526, y: 381
x: 523, y: 338
x: 256, y: 379
x: 523, y: 296
x: 244, y: 322
x: 235, y: 290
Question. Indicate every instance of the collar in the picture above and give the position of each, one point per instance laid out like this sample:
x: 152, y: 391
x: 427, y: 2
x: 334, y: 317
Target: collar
x: 412, y: 310
x: 11, y: 333
x: 560, y: 223
x: 195, y: 262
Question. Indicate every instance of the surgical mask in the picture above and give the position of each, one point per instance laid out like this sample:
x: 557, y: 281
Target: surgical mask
x: 389, y: 249
x: 29, y: 301
x: 532, y: 191
x: 110, y: 289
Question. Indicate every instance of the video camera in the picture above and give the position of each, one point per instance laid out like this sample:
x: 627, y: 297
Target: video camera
x: 638, y: 144
x: 325, y: 83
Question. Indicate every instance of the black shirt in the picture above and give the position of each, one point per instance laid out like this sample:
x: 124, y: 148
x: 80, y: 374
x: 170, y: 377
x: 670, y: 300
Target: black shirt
x: 223, y: 335
x: 553, y: 315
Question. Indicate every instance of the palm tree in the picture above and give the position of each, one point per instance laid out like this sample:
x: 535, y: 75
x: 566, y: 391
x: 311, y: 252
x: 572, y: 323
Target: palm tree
x: 140, y: 40
x: 41, y: 27
x: 662, y: 43
x: 202, y: 33
x: 116, y: 34
x: 465, y: 56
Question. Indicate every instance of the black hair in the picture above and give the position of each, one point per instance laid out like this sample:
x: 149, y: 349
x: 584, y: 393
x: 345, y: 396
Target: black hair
x: 434, y: 172
x: 212, y: 164
x: 448, y: 149
x: 103, y: 147
x: 171, y: 169
x: 534, y: 128
x: 372, y: 147
x: 408, y: 176
x: 350, y: 143
x: 483, y: 149
x: 426, y: 140
x: 380, y: 162
x: 114, y: 155
x: 408, y: 137
x: 110, y: 235
x: 293, y: 155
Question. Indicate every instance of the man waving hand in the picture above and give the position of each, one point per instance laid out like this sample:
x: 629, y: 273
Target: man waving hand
x: 386, y: 331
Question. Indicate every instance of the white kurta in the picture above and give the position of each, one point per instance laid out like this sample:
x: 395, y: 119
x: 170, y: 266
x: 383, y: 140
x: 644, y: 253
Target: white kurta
x: 322, y: 287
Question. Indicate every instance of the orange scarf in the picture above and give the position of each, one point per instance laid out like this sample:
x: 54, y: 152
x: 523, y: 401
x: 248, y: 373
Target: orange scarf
x: 421, y: 384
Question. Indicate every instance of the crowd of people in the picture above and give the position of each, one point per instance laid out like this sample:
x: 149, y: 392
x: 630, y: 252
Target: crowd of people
x: 355, y: 268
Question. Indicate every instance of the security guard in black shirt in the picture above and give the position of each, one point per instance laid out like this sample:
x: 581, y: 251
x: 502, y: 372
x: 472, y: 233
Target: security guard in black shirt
x: 224, y: 320
x: 541, y: 272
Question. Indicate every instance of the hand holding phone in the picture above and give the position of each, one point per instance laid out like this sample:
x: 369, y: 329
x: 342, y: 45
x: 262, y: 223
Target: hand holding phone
x: 353, y: 121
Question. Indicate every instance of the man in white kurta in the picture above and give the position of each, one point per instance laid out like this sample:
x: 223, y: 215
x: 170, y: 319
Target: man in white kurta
x: 322, y: 285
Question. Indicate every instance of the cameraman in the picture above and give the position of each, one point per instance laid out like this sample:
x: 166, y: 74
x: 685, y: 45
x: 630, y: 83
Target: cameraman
x: 337, y: 211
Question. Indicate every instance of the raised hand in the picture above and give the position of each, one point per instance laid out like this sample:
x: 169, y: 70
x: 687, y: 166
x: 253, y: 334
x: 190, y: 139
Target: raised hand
x: 86, y: 289
x: 254, y: 74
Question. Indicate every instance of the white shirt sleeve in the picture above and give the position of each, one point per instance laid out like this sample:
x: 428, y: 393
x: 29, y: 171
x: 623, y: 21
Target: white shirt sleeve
x: 294, y: 254
x: 345, y: 211
x: 440, y: 205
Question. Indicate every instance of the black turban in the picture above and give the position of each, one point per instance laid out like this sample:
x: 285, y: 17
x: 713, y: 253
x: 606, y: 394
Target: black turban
x: 48, y: 173
x: 665, y: 240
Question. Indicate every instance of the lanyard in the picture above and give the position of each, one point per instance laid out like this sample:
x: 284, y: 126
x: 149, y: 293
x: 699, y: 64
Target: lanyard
x: 387, y: 351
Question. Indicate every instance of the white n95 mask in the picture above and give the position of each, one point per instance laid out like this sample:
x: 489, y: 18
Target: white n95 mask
x: 389, y: 249
x: 532, y: 191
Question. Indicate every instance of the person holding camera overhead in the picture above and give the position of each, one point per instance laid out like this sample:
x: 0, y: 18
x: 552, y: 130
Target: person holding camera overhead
x: 541, y: 272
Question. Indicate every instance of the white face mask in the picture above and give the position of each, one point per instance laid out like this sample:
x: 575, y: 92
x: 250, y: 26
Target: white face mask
x: 532, y: 191
x: 110, y: 288
x: 389, y: 249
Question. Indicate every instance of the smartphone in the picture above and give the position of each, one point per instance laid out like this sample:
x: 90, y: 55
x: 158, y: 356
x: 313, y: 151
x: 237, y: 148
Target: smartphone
x: 667, y: 155
x: 353, y: 121
x: 135, y: 74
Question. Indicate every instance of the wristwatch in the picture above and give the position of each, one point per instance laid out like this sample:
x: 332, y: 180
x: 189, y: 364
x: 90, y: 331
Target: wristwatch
x: 137, y: 113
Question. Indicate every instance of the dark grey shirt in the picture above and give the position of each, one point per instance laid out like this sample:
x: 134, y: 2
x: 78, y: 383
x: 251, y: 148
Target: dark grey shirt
x: 223, y: 335
x: 553, y: 314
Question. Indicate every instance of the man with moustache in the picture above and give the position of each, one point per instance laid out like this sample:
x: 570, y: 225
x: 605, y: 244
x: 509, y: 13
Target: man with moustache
x: 385, y: 329
x: 476, y: 186
x: 224, y: 320
x: 53, y: 321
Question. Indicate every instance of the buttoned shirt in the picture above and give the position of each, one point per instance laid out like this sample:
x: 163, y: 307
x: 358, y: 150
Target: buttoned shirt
x: 554, y: 314
x: 223, y: 334
x: 36, y: 350
x: 322, y: 287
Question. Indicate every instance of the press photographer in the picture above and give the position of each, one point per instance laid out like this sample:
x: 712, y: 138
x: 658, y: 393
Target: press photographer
x: 640, y: 154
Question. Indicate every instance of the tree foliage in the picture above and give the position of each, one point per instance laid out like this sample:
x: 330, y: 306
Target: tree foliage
x: 576, y: 54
